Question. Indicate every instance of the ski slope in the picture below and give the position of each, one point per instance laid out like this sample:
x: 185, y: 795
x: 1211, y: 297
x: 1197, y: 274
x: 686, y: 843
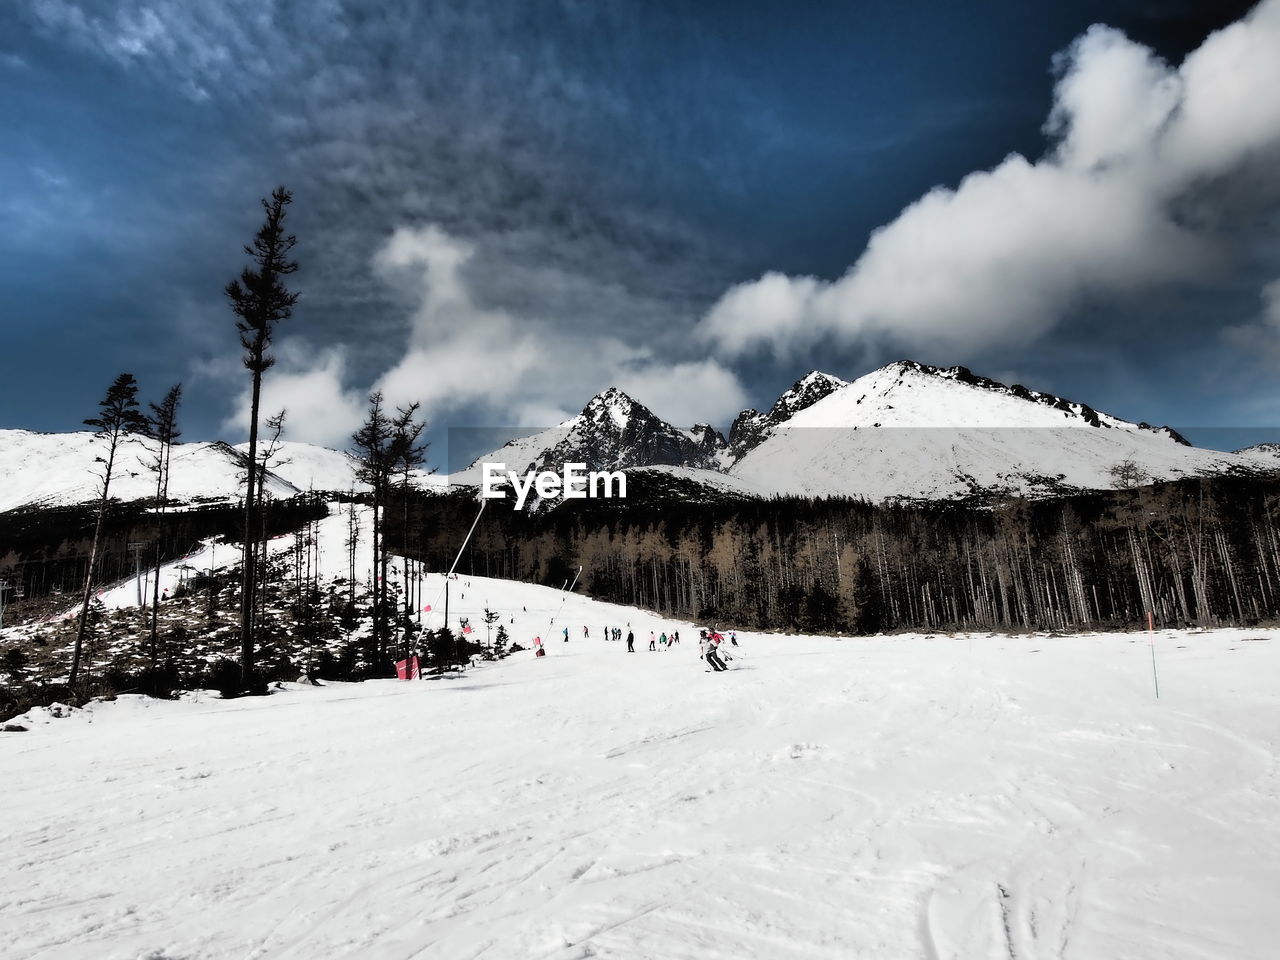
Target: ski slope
x: 894, y: 797
x: 59, y: 469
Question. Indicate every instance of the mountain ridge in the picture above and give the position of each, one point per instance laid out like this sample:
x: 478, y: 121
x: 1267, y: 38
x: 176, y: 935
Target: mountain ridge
x: 906, y: 430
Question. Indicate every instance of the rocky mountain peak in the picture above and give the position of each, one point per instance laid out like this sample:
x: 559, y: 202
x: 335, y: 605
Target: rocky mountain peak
x: 751, y: 426
x: 615, y: 431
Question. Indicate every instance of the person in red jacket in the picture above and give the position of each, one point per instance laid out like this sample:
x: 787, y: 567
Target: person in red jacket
x: 709, y: 644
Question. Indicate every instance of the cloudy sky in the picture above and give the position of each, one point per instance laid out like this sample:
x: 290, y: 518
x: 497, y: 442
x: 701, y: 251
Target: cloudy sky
x: 504, y: 206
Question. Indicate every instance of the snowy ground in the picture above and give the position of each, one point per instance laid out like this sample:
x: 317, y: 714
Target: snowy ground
x: 905, y: 797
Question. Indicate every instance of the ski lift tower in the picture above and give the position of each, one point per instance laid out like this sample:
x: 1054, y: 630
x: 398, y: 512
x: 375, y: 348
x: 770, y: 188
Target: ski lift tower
x: 136, y: 547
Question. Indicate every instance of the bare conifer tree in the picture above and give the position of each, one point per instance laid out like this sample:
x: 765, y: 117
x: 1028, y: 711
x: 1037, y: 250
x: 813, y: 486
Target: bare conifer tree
x: 260, y: 300
x: 117, y: 420
x: 163, y: 427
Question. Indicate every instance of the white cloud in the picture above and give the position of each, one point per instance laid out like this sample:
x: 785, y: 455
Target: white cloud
x: 461, y: 355
x: 1001, y: 258
x: 1261, y: 339
x: 458, y: 354
x: 775, y: 307
x: 309, y: 385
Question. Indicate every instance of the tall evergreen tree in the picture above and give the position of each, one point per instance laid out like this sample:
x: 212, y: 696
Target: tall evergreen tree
x: 162, y: 426
x: 118, y: 418
x: 372, y: 442
x: 388, y: 449
x: 406, y: 452
x: 260, y: 300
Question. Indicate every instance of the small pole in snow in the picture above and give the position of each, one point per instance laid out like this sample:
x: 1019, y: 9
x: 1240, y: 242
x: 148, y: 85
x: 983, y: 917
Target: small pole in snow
x: 1151, y: 642
x: 135, y: 547
x: 453, y: 566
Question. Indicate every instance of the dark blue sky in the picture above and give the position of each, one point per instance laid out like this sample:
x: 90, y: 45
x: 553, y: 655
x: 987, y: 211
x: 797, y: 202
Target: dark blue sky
x: 574, y: 187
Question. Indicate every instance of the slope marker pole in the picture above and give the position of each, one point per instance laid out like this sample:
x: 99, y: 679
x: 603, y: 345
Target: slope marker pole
x: 444, y: 590
x: 1151, y: 642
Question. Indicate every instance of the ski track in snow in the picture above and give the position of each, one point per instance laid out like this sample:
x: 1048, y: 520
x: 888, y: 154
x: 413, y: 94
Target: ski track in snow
x: 892, y: 797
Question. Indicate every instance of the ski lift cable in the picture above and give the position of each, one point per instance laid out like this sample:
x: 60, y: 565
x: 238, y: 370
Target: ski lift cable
x: 453, y: 566
x: 564, y: 595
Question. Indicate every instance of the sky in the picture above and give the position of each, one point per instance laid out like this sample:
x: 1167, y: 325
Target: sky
x: 504, y: 207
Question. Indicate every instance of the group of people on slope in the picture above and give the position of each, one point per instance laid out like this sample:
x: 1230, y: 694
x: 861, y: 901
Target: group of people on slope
x: 710, y: 643
x: 662, y: 641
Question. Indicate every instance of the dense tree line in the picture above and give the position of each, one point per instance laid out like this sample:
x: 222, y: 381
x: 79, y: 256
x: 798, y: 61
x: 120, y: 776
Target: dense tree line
x: 1194, y: 552
x: 47, y: 549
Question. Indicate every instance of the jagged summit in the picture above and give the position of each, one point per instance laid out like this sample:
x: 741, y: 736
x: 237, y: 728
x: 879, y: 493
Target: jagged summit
x: 614, y: 431
x: 616, y: 403
x: 751, y: 426
x: 967, y: 407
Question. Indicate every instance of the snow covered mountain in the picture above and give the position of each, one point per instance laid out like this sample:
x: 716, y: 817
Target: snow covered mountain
x: 913, y: 431
x: 612, y: 432
x: 907, y: 431
x: 1266, y: 455
x: 58, y: 469
x: 751, y: 426
x: 309, y: 467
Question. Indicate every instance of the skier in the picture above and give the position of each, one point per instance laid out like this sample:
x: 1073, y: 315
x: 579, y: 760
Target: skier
x: 585, y: 632
x: 537, y: 647
x: 653, y: 641
x: 631, y: 642
x: 662, y: 640
x: 712, y: 653
x: 566, y: 634
x: 733, y: 637
x: 675, y: 636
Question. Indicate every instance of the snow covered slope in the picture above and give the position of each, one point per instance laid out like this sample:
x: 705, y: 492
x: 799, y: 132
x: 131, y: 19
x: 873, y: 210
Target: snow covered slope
x: 890, y: 798
x: 1265, y: 454
x: 309, y: 467
x: 909, y: 430
x: 58, y: 469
